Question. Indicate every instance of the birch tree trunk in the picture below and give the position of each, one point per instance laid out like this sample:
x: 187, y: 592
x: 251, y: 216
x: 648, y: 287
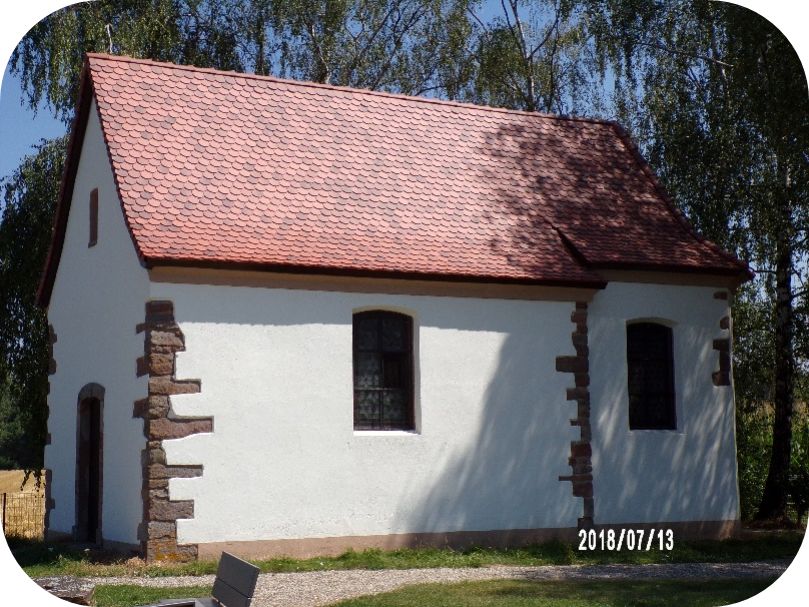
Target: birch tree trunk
x: 776, y: 489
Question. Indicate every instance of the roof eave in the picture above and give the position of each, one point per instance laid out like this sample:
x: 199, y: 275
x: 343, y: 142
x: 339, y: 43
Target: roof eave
x: 154, y: 262
x: 737, y: 274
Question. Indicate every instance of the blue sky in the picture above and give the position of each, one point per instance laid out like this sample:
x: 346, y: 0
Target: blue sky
x: 21, y: 127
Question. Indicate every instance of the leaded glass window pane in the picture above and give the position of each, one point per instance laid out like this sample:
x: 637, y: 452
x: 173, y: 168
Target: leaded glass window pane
x: 368, y: 370
x: 650, y: 377
x: 383, y: 371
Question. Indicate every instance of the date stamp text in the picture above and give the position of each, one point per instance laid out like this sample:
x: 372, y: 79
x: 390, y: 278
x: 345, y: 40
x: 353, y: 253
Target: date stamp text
x: 629, y: 539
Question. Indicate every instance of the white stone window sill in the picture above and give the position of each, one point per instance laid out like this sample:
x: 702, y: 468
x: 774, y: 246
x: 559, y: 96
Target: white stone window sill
x: 656, y: 432
x: 385, y: 433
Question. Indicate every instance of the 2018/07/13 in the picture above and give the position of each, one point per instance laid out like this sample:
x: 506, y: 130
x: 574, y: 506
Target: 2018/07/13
x: 631, y: 539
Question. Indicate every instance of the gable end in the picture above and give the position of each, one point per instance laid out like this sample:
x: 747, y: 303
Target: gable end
x: 63, y: 203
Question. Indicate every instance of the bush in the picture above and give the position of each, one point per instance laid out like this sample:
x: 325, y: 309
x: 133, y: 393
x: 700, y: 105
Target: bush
x: 753, y: 448
x: 799, y: 492
x: 799, y: 469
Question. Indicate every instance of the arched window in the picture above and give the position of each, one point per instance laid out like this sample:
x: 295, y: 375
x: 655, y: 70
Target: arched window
x: 383, y: 371
x: 650, y: 363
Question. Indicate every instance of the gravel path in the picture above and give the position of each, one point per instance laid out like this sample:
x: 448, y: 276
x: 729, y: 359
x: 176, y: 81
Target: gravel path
x: 315, y: 588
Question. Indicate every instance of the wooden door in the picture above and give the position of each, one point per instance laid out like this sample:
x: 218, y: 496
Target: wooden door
x: 88, y: 472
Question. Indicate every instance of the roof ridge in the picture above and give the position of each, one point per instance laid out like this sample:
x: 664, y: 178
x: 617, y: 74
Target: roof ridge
x: 348, y: 89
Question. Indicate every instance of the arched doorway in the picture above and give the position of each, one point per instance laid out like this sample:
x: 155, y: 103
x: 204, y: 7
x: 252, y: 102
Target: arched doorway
x: 89, y: 450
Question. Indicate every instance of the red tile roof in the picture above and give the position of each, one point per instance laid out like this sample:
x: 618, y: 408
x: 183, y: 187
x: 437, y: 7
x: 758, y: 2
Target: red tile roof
x: 219, y: 168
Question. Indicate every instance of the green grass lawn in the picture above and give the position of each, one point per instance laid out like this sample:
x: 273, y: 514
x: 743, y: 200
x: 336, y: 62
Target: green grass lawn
x: 503, y: 593
x: 521, y: 593
x: 40, y: 559
x: 128, y: 596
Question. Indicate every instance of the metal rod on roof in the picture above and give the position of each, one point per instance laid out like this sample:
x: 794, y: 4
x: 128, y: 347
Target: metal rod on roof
x: 109, y: 36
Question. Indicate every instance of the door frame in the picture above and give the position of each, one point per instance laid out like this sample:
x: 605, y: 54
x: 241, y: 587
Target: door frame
x: 88, y: 395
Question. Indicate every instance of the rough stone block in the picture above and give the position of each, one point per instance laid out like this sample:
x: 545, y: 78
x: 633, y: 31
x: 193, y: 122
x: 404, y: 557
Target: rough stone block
x: 140, y: 408
x: 578, y: 316
x: 586, y: 433
x: 582, y: 380
x: 157, y: 530
x: 168, y: 386
x: 184, y: 471
x: 162, y: 429
x: 159, y: 407
x: 571, y: 364
x: 165, y: 339
x: 157, y: 471
x: 156, y: 495
x: 156, y: 456
x: 169, y: 511
x: 580, y: 449
x: 583, y: 489
x: 157, y: 483
x: 578, y: 339
x: 160, y: 310
x: 161, y: 364
x: 141, y: 368
x: 578, y: 394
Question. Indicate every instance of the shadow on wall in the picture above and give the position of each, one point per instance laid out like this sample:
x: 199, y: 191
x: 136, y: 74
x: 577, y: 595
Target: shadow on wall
x: 643, y: 475
x: 506, y: 476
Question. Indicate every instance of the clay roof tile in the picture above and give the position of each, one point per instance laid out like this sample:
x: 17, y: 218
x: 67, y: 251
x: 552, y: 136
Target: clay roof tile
x: 390, y: 184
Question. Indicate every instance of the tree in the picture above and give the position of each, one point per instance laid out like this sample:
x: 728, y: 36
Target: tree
x: 49, y: 58
x: 28, y: 195
x: 532, y: 56
x: 402, y: 46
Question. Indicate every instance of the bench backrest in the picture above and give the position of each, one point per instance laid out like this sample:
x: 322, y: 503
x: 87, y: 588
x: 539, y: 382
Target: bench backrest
x: 235, y: 581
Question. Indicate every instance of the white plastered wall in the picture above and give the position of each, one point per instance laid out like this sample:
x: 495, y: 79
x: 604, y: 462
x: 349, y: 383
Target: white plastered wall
x: 97, y: 301
x: 688, y: 474
x: 284, y: 461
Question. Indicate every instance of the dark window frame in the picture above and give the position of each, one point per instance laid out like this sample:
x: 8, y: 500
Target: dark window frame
x: 404, y: 370
x: 93, y: 218
x: 650, y: 376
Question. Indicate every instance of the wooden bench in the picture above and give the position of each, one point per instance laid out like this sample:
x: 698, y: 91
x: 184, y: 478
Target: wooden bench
x: 234, y: 586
